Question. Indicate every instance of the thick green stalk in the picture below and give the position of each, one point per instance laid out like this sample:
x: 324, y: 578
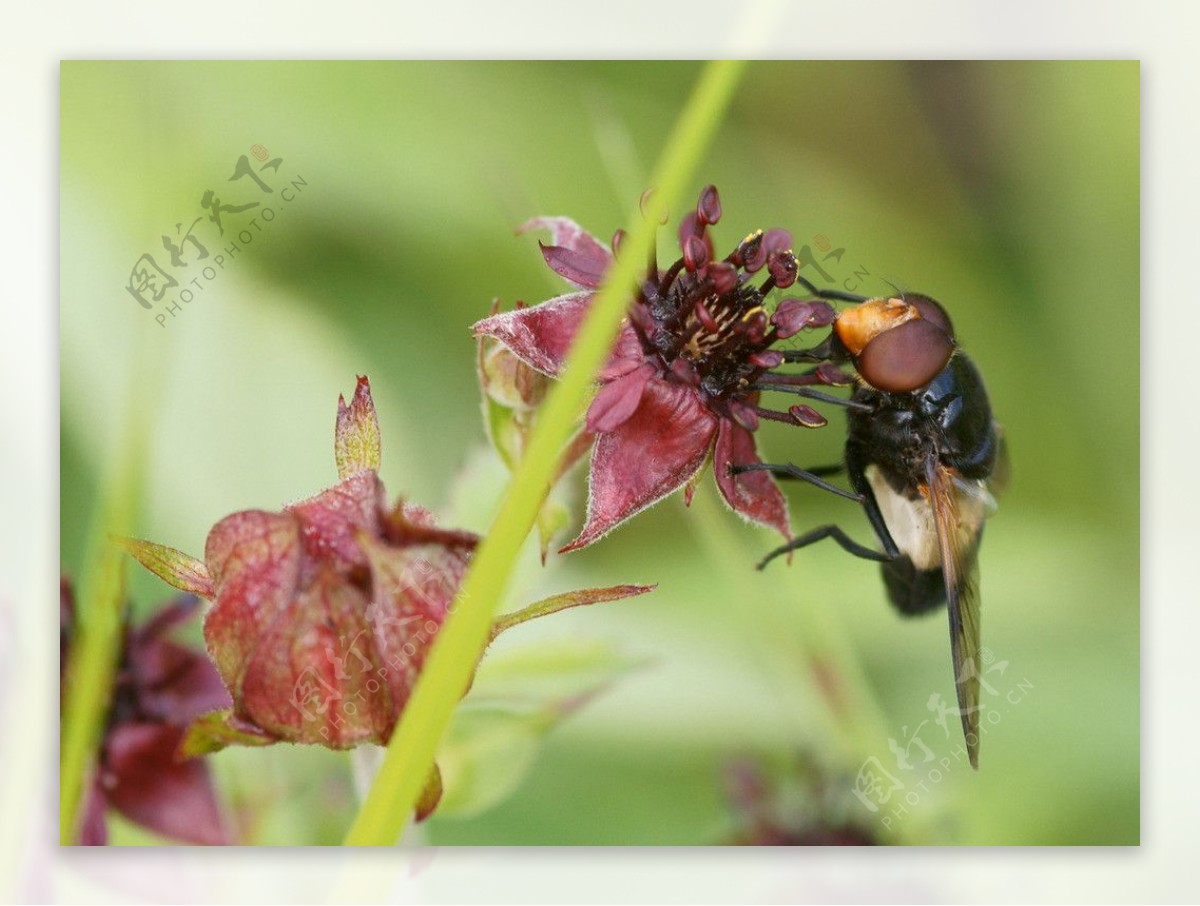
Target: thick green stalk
x: 455, y: 653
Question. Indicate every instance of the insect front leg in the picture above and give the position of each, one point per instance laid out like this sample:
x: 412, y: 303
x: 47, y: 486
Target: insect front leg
x: 855, y: 469
x: 794, y: 473
x: 846, y: 543
x: 835, y: 294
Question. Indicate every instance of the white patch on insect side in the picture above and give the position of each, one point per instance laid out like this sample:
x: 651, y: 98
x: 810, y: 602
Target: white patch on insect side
x: 911, y: 520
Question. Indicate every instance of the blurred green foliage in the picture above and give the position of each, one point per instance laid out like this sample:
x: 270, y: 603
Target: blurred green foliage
x: 1009, y: 191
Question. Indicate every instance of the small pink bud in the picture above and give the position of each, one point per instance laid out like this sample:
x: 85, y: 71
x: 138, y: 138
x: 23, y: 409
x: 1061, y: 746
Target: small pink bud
x: 708, y: 211
x: 807, y: 417
x: 695, y: 253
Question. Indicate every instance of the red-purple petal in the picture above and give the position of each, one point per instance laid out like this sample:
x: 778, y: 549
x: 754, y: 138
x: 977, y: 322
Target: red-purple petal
x: 412, y: 589
x: 541, y: 335
x: 655, y: 452
x: 145, y: 783
x: 584, y: 257
x: 752, y: 494
x: 330, y: 521
x: 254, y: 558
x: 312, y: 677
x: 175, y: 683
x: 617, y: 400
x: 627, y: 354
x: 181, y: 609
x: 572, y: 266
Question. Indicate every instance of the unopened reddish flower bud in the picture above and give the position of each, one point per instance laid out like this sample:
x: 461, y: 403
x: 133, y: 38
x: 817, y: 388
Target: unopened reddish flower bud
x: 783, y: 268
x: 724, y: 277
x: 695, y: 253
x: 770, y: 359
x: 692, y: 228
x: 644, y: 206
x: 777, y: 240
x: 831, y: 374
x: 617, y: 239
x: 708, y: 210
x: 324, y: 612
x: 794, y: 315
x: 749, y: 250
x: 509, y: 381
x: 807, y: 417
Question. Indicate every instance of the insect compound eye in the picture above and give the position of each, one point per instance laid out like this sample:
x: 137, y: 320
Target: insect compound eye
x: 931, y: 311
x: 858, y: 326
x: 907, y: 356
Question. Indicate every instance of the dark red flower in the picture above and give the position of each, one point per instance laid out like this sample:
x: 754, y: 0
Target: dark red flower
x: 160, y: 687
x: 801, y: 807
x: 324, y: 612
x: 682, y: 382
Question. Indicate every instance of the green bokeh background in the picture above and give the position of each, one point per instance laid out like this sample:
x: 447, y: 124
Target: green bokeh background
x: 1007, y: 190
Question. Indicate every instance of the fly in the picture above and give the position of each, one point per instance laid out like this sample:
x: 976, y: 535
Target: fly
x: 923, y: 456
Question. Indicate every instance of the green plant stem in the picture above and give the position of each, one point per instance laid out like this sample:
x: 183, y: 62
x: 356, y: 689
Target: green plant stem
x: 100, y: 592
x: 456, y: 652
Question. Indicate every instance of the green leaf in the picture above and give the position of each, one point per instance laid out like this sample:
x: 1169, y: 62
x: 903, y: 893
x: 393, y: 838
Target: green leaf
x: 552, y: 519
x: 557, y: 674
x: 517, y: 699
x: 174, y: 567
x: 216, y: 730
x: 486, y: 754
x: 430, y: 796
x: 578, y: 598
x: 504, y: 431
x: 356, y: 440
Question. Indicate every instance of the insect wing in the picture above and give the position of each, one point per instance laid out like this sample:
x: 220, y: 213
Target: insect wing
x: 958, y: 541
x: 1001, y: 476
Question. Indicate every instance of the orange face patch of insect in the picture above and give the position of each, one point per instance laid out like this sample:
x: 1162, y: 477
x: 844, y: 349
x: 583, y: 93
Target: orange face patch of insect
x: 858, y: 326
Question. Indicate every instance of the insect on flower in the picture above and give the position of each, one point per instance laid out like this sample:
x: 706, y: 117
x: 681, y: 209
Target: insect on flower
x: 923, y: 456
x: 679, y: 387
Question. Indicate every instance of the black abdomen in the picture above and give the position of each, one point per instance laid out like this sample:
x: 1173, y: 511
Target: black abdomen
x: 913, y: 591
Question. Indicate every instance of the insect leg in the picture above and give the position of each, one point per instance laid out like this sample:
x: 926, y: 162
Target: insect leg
x: 811, y: 394
x: 834, y: 468
x: 822, y: 352
x: 826, y: 531
x: 829, y: 293
x: 855, y: 468
x: 787, y: 470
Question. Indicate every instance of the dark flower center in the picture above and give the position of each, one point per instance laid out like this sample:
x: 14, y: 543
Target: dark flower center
x: 704, y: 320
